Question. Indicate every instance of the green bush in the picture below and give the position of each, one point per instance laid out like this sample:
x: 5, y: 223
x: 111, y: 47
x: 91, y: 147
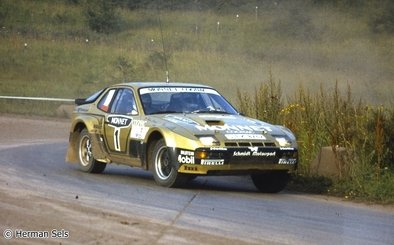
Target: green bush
x: 102, y: 16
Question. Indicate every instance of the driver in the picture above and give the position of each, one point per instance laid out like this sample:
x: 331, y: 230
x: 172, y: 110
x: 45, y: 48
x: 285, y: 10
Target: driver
x: 146, y: 100
x: 191, y: 102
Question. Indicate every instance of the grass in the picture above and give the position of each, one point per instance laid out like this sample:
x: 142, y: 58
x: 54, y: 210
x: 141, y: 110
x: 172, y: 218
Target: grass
x: 360, y: 136
x: 328, y: 46
x: 300, y: 64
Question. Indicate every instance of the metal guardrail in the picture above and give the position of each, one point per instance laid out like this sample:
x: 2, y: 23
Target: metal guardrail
x: 36, y: 98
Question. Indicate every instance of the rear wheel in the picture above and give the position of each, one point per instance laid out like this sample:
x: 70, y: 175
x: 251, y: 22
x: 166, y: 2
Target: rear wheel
x: 271, y: 182
x: 164, y: 171
x: 87, y: 163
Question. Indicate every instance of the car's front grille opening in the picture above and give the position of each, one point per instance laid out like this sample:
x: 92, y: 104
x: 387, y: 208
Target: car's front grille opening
x: 247, y: 144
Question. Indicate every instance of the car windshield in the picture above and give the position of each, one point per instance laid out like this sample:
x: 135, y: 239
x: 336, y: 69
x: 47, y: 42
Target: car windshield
x: 156, y: 100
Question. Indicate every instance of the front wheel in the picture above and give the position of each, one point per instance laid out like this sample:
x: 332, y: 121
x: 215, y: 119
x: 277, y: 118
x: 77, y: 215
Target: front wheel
x: 271, y: 182
x: 87, y: 163
x: 164, y: 171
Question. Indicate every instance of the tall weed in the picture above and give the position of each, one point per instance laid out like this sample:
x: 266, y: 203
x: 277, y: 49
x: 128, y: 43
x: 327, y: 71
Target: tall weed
x: 360, y: 136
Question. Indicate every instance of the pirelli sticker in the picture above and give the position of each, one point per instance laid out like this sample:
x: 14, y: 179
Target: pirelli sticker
x: 212, y: 162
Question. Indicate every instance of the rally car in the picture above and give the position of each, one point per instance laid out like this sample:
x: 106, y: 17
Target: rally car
x: 178, y: 131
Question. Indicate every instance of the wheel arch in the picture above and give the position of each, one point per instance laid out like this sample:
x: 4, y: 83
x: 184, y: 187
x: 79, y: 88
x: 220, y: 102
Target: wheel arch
x: 150, y: 143
x: 75, y: 131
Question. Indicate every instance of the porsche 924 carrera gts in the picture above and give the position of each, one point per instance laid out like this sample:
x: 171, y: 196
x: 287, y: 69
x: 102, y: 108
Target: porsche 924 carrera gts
x: 178, y: 131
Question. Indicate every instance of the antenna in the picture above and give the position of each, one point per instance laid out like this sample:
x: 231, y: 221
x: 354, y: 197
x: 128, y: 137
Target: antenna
x: 167, y: 77
x: 164, y: 50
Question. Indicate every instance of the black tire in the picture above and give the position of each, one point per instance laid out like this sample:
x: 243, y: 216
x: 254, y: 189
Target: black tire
x: 163, y: 169
x: 87, y: 163
x: 271, y: 182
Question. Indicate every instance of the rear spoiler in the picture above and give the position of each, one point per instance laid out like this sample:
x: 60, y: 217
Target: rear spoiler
x: 81, y: 101
x: 89, y: 99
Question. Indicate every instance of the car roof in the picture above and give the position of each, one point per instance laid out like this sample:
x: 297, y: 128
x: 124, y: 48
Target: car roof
x: 138, y: 85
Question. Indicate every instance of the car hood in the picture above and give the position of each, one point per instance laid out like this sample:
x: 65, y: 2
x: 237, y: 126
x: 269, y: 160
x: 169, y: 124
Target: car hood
x: 224, y: 126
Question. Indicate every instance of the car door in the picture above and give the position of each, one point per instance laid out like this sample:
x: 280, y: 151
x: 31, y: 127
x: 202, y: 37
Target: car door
x: 118, y: 121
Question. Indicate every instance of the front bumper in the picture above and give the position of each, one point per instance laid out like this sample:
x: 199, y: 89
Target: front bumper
x: 237, y: 160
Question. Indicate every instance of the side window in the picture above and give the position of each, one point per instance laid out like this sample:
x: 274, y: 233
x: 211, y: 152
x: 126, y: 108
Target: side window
x: 124, y: 103
x: 105, y: 102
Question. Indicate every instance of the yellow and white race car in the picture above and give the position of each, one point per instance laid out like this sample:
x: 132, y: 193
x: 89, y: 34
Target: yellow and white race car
x: 178, y: 131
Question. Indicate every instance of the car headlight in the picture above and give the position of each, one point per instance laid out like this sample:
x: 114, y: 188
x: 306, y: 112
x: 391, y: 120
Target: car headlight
x: 208, y: 140
x: 283, y: 141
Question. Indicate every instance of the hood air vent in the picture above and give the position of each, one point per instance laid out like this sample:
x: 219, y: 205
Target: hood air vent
x: 214, y: 122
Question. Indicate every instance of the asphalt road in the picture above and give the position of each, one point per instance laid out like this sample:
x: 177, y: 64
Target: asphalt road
x: 225, y: 208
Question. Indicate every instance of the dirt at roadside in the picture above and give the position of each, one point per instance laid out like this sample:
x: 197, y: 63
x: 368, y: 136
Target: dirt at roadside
x: 16, y: 128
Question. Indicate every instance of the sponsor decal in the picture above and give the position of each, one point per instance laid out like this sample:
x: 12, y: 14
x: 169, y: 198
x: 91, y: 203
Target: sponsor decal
x: 254, y: 152
x: 190, y: 168
x: 287, y: 161
x: 245, y: 136
x: 119, y: 121
x: 264, y: 154
x: 212, y: 162
x: 187, y: 153
x: 287, y: 148
x: 242, y: 153
x: 186, y: 157
x: 178, y: 119
x: 138, y: 129
x: 253, y: 148
x: 82, y: 110
x: 218, y: 149
x: 234, y: 128
x: 177, y: 90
